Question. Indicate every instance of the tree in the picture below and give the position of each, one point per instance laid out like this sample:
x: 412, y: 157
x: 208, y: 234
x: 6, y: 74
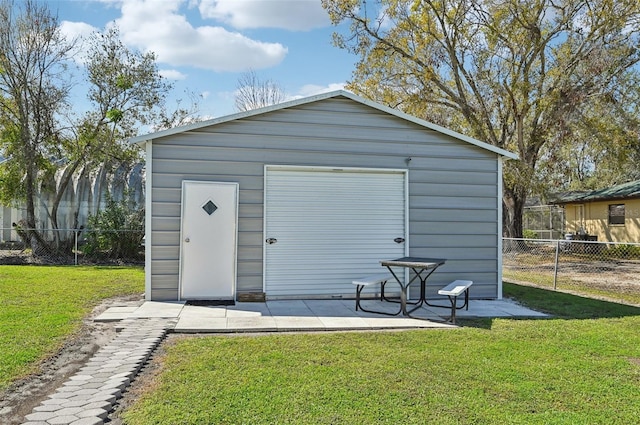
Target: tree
x: 33, y: 87
x: 126, y: 92
x: 46, y: 146
x: 601, y: 148
x: 253, y: 93
x: 514, y: 73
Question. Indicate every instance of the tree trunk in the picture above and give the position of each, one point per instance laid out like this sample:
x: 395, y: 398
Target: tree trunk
x: 30, y: 240
x: 512, y: 210
x: 65, y: 180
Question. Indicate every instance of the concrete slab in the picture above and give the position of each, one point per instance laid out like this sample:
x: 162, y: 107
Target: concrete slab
x: 156, y: 309
x: 288, y: 308
x: 195, y: 324
x: 343, y: 323
x: 291, y: 323
x: 256, y: 323
x: 306, y: 315
x: 108, y: 316
x: 123, y: 309
x: 248, y: 310
x: 516, y: 310
x: 203, y: 312
x: 488, y: 309
x: 331, y: 308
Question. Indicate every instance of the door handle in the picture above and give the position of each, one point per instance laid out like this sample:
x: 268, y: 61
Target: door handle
x: 398, y: 240
x: 271, y: 241
x: 187, y: 240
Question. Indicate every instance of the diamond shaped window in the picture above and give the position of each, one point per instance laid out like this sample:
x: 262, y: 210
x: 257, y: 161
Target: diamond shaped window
x: 209, y: 207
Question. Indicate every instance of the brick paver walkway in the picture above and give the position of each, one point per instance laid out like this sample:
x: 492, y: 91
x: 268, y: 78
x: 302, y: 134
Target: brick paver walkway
x: 90, y: 395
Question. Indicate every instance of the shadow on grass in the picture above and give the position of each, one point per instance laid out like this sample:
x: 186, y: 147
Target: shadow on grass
x: 566, y: 306
x: 480, y: 323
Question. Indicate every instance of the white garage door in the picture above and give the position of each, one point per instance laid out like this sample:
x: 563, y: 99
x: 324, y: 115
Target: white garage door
x: 325, y: 227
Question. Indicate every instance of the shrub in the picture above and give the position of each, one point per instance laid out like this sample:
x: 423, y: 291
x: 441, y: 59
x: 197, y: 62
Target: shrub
x: 631, y: 252
x: 117, y: 231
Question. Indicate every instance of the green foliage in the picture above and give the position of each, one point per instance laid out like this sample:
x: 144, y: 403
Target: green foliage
x: 41, y: 306
x: 116, y: 231
x: 529, y: 234
x: 114, y: 115
x: 124, y: 82
x: 627, y: 252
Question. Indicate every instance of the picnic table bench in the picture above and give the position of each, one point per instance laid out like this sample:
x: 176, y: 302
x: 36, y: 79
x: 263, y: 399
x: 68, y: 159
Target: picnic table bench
x: 453, y: 291
x: 374, y: 279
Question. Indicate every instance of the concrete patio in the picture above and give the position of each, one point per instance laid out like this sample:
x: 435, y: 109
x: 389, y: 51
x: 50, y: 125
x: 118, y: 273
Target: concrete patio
x: 304, y: 315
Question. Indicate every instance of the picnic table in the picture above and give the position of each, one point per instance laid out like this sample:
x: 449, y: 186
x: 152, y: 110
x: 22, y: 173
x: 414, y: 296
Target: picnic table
x: 422, y: 269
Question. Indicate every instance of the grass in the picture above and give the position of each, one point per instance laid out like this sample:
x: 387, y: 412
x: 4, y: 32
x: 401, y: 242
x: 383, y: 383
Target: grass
x: 545, y: 279
x: 580, y: 367
x: 41, y: 306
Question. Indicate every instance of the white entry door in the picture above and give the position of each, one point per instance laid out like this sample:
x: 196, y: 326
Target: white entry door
x: 208, y: 240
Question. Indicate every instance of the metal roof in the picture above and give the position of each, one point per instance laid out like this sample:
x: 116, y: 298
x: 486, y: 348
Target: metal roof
x: 323, y: 96
x: 627, y: 190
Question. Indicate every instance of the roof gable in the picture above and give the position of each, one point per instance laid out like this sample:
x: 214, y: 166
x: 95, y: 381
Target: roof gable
x: 320, y: 97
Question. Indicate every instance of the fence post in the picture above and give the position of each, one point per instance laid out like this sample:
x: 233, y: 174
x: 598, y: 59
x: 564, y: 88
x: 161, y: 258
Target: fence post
x: 75, y: 244
x: 555, y: 266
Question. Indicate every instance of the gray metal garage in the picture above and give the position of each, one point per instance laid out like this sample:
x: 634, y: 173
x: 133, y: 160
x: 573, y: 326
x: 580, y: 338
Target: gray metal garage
x: 295, y: 200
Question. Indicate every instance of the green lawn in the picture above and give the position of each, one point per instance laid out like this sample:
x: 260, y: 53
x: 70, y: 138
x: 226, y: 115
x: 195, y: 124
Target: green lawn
x: 40, y: 306
x: 581, y: 367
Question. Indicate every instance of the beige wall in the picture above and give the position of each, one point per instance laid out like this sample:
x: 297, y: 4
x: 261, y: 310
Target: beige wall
x: 595, y: 220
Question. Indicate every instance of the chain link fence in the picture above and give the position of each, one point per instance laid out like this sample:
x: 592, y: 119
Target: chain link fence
x: 602, y: 269
x: 71, y: 246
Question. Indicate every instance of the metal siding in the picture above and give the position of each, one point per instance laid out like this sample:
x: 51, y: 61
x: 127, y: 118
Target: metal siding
x: 335, y: 132
x: 163, y: 294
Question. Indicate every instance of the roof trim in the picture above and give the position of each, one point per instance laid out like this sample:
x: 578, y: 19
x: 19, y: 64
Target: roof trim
x: 324, y: 96
x: 628, y: 190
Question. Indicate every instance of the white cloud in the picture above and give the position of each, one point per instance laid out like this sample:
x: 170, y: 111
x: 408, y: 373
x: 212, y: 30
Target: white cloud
x: 77, y: 32
x: 313, y: 89
x: 73, y: 30
x: 172, y: 74
x: 158, y: 26
x: 293, y: 15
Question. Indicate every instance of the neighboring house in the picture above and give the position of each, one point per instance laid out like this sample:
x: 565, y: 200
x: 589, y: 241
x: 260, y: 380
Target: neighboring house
x: 611, y: 214
x: 298, y: 199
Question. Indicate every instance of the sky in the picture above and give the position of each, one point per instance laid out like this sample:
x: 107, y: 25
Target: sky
x: 205, y: 46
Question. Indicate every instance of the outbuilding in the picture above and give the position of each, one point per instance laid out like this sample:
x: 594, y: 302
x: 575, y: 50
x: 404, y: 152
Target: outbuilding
x: 298, y: 199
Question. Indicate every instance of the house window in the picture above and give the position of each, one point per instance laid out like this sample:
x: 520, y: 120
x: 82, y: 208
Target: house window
x: 616, y: 214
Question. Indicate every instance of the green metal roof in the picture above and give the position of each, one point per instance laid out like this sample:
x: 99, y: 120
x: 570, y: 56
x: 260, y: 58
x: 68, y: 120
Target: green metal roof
x: 622, y: 191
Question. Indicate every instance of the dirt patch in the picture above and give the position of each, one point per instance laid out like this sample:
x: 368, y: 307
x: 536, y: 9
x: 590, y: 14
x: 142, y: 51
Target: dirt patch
x: 22, y: 396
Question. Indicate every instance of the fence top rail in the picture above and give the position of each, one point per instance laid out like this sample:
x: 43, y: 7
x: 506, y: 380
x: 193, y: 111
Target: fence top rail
x: 571, y: 241
x: 84, y: 229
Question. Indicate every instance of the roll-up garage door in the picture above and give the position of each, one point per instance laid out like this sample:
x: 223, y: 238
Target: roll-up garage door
x: 325, y: 227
